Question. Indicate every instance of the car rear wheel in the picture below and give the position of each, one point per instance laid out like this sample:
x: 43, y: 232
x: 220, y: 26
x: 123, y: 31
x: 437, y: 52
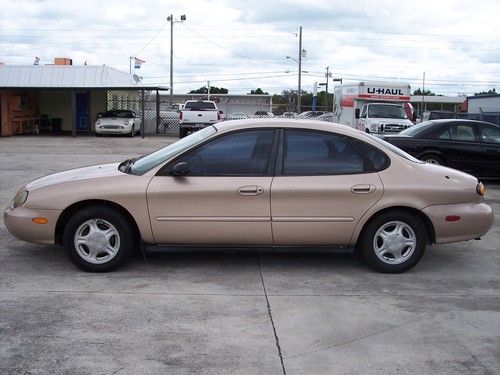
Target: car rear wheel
x: 432, y: 159
x: 98, y: 239
x: 393, y: 242
x: 182, y: 133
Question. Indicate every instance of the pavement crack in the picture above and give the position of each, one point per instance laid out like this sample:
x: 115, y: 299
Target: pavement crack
x: 354, y: 339
x: 269, y: 311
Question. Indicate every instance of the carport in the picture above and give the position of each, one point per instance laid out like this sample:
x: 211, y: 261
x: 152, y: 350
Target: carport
x: 67, y: 99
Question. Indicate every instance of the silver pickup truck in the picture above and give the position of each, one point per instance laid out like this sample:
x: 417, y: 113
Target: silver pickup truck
x: 196, y: 115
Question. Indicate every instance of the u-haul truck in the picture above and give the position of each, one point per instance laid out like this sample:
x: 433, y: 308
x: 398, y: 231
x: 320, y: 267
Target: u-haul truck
x: 374, y: 107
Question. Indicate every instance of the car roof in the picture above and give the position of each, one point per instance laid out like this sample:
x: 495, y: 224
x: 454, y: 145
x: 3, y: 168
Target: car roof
x: 278, y: 122
x: 464, y: 120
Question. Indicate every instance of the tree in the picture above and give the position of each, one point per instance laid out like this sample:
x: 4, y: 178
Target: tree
x: 489, y: 92
x: 424, y: 93
x: 213, y: 90
x: 258, y: 91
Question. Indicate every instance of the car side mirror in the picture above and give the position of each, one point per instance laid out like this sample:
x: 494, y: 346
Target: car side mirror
x: 180, y: 169
x: 221, y: 112
x: 99, y: 115
x: 356, y: 113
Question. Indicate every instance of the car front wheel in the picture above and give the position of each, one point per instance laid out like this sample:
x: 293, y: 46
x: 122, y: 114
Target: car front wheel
x: 98, y: 239
x: 393, y: 242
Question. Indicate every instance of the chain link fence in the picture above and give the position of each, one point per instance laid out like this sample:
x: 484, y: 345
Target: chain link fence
x: 158, y: 118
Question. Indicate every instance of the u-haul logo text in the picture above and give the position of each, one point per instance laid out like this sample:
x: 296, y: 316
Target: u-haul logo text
x: 384, y: 91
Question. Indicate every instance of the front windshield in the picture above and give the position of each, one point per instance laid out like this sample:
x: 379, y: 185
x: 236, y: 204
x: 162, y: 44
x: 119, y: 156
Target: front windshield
x: 119, y: 114
x: 386, y: 111
x: 146, y: 162
x: 394, y: 149
x: 418, y: 129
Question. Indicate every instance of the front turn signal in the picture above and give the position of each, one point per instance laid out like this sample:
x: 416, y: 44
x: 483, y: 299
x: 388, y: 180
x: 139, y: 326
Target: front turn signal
x: 39, y: 220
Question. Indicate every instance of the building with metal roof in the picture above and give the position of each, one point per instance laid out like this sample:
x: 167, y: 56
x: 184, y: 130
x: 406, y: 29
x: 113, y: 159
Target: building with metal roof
x: 65, y: 98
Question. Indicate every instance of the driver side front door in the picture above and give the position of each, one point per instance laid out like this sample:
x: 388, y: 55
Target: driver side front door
x: 225, y: 197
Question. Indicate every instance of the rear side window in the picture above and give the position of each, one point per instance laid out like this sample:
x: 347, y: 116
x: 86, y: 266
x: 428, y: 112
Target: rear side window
x: 316, y: 153
x: 378, y: 159
x: 490, y: 133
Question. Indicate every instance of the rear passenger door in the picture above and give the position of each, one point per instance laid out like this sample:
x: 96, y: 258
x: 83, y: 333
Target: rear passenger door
x: 490, y: 140
x: 322, y: 187
x: 461, y: 148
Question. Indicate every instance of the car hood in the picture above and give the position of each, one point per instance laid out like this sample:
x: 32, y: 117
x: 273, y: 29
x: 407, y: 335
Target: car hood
x: 78, y: 174
x: 395, y: 137
x: 385, y: 120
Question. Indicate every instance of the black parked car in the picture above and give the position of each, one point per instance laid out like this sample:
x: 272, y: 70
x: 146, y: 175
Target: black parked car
x: 467, y: 145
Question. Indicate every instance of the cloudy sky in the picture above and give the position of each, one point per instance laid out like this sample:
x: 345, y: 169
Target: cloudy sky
x: 243, y: 45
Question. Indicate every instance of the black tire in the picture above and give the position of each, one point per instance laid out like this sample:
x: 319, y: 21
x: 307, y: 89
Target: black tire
x: 123, y: 240
x: 369, y: 242
x: 182, y: 133
x: 98, y: 134
x: 433, y: 159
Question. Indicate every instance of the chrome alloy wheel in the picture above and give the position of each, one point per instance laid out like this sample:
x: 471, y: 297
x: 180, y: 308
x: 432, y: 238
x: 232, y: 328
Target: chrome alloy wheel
x: 97, y: 241
x: 394, y: 242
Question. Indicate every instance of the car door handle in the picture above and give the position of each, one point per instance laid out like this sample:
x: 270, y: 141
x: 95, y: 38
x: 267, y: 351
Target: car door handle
x: 251, y: 190
x: 363, y: 189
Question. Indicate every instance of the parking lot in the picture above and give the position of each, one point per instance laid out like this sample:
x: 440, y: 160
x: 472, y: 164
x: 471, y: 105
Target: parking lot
x: 238, y: 311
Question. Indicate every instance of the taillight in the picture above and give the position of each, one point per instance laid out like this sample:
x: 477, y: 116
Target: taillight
x: 480, y: 189
x: 218, y: 116
x: 180, y: 115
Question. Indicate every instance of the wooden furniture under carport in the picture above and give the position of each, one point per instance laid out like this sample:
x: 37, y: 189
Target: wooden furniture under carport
x: 25, y: 124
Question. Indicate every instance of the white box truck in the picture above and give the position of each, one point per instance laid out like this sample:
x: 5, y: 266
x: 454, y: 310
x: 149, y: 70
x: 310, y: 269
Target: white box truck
x: 374, y: 107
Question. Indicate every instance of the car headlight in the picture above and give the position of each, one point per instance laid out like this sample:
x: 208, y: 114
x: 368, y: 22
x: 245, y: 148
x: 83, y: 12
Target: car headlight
x: 19, y: 199
x: 98, y: 122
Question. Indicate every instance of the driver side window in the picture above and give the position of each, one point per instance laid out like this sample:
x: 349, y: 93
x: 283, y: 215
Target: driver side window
x: 236, y: 154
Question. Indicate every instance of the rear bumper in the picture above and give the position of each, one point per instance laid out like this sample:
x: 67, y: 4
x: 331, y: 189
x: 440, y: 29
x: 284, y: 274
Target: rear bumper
x: 19, y: 224
x: 475, y: 221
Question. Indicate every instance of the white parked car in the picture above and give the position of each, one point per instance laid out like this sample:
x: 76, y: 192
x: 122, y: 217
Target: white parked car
x: 118, y: 121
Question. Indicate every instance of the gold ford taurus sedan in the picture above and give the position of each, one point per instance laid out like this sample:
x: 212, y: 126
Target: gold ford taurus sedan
x: 269, y: 182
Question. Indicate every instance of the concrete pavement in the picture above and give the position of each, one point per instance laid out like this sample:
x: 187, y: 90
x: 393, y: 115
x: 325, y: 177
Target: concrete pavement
x: 237, y: 312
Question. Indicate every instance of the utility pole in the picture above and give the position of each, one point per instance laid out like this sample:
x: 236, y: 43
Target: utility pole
x: 171, y: 20
x: 423, y: 96
x: 327, y: 75
x: 300, y: 70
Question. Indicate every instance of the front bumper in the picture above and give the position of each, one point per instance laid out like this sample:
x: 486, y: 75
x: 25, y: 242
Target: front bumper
x: 113, y: 129
x: 19, y: 224
x: 475, y: 221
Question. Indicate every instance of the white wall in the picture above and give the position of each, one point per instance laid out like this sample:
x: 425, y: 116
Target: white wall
x: 488, y: 104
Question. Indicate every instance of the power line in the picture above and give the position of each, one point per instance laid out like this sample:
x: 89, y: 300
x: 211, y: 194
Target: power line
x: 216, y: 44
x: 218, y: 74
x: 153, y: 38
